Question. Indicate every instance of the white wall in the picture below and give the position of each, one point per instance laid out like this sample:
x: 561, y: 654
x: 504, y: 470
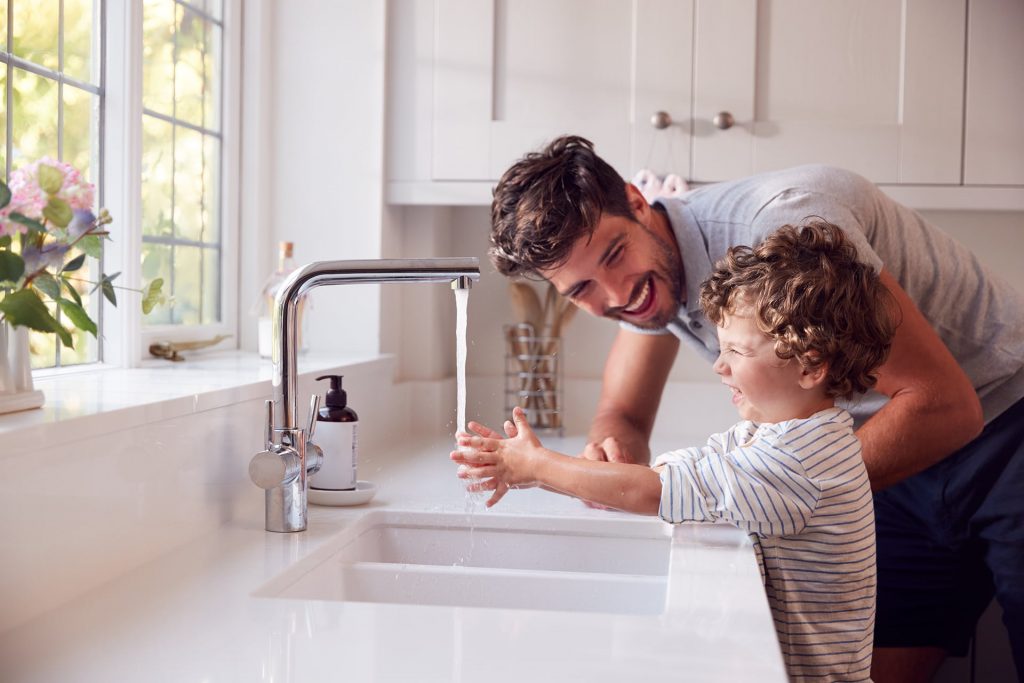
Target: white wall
x: 317, y: 156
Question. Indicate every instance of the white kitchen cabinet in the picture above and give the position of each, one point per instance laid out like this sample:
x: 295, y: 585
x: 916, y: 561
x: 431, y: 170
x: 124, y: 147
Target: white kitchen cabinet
x: 874, y: 86
x: 994, y: 138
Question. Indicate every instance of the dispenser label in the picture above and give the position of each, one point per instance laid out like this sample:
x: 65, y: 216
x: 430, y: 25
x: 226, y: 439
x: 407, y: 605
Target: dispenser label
x: 340, y: 442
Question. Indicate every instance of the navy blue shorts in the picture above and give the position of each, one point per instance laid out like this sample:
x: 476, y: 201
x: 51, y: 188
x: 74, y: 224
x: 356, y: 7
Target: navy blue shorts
x: 952, y: 537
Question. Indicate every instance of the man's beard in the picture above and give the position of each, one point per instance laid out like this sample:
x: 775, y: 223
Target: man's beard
x: 668, y: 268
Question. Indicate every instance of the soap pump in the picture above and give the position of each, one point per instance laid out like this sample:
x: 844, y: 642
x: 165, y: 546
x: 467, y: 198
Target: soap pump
x: 337, y: 431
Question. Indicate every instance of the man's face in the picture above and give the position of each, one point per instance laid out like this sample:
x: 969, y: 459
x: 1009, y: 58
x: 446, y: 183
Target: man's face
x: 628, y: 270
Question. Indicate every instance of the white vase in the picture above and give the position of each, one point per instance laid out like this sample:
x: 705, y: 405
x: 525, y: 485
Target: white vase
x: 16, y: 389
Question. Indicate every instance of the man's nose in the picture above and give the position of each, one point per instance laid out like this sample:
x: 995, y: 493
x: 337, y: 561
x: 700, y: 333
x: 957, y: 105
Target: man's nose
x: 618, y: 294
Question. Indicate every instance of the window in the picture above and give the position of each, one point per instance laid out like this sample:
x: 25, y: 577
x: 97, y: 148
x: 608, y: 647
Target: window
x: 51, y: 88
x: 181, y: 157
x: 157, y: 156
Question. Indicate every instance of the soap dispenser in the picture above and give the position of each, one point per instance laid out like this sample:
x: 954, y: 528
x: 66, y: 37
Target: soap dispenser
x: 337, y: 434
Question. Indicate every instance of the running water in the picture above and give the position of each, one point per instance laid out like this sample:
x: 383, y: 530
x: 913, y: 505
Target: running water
x: 474, y: 501
x: 461, y: 302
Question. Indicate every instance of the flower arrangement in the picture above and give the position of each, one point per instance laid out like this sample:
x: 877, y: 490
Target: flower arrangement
x: 48, y: 207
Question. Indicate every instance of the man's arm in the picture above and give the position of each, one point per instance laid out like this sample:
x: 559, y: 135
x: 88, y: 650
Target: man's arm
x: 933, y: 409
x: 635, y: 373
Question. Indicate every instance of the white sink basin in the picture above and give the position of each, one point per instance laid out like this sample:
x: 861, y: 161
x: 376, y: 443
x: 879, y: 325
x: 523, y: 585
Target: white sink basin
x: 489, y: 560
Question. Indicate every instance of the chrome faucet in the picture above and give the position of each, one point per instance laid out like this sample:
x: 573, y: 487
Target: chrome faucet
x: 290, y: 454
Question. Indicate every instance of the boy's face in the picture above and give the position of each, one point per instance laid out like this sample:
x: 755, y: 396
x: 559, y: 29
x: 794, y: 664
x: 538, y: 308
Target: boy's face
x: 628, y: 270
x: 765, y: 388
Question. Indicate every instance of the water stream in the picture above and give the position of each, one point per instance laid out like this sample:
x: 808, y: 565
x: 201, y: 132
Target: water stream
x: 473, y: 500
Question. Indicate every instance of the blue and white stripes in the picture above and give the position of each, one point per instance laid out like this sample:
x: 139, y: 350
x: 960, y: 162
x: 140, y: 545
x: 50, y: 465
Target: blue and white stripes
x: 800, y: 488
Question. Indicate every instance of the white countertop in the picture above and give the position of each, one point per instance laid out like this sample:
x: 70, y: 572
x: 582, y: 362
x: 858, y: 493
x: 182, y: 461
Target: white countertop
x: 191, y: 615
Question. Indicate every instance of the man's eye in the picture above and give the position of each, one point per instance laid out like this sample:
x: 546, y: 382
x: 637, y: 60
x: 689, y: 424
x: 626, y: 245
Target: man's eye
x: 579, y: 291
x: 615, y: 255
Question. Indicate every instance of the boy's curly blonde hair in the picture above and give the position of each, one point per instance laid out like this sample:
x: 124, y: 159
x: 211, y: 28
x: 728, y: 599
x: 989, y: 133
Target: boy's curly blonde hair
x: 806, y: 290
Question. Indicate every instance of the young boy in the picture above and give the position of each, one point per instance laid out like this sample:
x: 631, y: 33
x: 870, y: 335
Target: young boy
x: 800, y: 322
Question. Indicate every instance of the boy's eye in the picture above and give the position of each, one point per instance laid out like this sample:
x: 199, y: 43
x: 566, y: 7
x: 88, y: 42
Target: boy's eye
x: 614, y: 256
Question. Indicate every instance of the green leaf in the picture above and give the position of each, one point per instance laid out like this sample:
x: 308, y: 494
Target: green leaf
x: 91, y: 245
x: 152, y: 295
x: 12, y: 266
x: 74, y: 264
x: 72, y: 291
x: 108, y: 291
x: 30, y: 223
x: 5, y: 240
x: 78, y: 316
x: 24, y: 307
x: 5, y: 194
x: 48, y: 285
x: 58, y: 211
x: 50, y: 179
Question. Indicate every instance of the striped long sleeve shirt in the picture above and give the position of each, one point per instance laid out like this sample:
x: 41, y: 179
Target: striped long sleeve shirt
x: 801, y: 490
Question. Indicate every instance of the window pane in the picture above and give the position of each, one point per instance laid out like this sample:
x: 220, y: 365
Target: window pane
x: 211, y: 285
x: 190, y: 72
x: 36, y: 25
x: 81, y: 129
x: 188, y: 285
x: 80, y: 19
x: 214, y: 8
x: 158, y: 56
x: 188, y: 185
x: 156, y: 262
x: 43, y: 346
x: 86, y: 346
x: 3, y: 25
x: 211, y: 189
x: 35, y: 118
x: 157, y: 177
x: 3, y: 119
x: 212, y: 55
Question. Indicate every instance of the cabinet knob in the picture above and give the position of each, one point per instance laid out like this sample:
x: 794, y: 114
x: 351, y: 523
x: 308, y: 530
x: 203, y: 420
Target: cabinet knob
x: 723, y: 120
x: 661, y: 120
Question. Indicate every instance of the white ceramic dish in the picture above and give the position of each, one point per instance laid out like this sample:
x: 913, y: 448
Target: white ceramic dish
x: 363, y: 492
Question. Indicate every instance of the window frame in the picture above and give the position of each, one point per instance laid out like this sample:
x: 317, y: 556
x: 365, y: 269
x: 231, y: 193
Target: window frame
x: 126, y: 338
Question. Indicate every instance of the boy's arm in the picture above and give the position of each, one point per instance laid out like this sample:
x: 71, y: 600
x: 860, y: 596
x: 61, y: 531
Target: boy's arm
x: 630, y: 488
x: 521, y: 461
x: 635, y: 373
x: 757, y: 487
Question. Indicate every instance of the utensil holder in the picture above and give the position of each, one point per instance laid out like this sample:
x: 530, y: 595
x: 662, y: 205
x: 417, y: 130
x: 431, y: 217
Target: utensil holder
x: 533, y: 377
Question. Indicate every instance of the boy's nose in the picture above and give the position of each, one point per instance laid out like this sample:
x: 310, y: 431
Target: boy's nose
x: 719, y: 366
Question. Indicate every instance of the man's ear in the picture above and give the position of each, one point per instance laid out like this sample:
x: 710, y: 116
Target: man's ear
x: 637, y: 203
x: 814, y: 377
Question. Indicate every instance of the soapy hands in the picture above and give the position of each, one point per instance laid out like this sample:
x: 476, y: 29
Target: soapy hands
x: 498, y: 464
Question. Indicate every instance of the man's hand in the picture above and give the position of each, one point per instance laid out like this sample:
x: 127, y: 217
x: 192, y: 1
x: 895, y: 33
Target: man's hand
x: 608, y: 450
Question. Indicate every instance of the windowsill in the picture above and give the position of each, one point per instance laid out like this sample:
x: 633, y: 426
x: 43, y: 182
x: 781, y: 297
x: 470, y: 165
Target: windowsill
x: 104, y: 400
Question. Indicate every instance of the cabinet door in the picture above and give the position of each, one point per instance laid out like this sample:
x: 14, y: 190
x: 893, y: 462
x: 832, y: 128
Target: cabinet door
x: 994, y: 144
x: 510, y: 75
x: 874, y: 86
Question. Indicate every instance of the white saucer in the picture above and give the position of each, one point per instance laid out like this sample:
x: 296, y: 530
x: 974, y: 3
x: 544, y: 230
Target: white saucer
x: 363, y: 492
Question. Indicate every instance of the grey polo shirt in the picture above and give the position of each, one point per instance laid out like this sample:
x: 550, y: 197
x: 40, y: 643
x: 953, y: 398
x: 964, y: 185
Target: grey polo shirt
x: 979, y: 316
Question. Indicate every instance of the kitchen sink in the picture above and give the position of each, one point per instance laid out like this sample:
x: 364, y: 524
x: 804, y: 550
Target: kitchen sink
x: 589, y: 564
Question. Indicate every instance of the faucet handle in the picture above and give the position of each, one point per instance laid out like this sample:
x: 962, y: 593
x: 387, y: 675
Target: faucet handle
x: 269, y: 433
x: 274, y: 467
x: 314, y: 408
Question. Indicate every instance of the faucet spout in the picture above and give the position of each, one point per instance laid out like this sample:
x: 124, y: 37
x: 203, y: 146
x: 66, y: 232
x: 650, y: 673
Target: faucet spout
x: 286, y: 503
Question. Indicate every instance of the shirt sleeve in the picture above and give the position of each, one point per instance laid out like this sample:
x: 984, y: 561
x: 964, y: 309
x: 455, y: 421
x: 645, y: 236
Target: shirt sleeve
x: 757, y: 485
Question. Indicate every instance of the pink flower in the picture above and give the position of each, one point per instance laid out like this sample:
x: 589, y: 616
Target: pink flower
x: 28, y: 199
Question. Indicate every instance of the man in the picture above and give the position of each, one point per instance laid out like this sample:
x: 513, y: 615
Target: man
x: 942, y: 434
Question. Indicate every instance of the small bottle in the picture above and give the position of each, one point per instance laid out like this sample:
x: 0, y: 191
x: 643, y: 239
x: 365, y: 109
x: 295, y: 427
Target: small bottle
x: 337, y: 434
x: 264, y: 306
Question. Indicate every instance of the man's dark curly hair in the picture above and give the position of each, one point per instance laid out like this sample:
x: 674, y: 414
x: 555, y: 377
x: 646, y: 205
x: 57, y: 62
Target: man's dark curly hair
x: 806, y: 290
x: 547, y: 201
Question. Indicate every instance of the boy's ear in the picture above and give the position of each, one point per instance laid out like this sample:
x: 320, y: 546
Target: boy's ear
x: 814, y: 377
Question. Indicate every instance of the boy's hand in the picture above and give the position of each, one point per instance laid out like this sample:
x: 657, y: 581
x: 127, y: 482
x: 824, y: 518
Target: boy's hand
x: 500, y: 463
